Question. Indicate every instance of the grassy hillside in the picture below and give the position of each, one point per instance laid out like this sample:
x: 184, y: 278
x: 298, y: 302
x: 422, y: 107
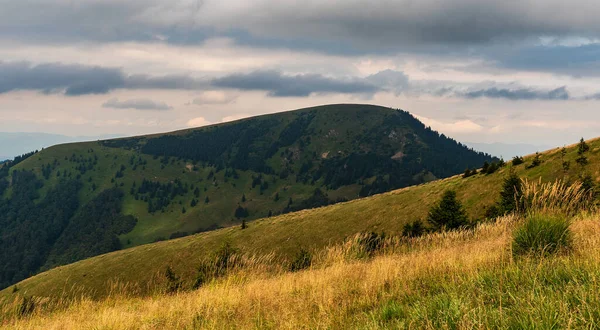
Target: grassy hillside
x: 141, y: 268
x: 457, y: 280
x: 293, y: 153
x: 74, y: 201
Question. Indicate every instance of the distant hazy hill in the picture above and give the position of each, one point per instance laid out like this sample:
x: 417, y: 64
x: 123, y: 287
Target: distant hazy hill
x: 74, y: 201
x: 14, y: 144
x: 508, y: 150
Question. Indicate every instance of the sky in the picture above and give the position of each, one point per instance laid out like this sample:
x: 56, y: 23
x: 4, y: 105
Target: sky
x: 507, y: 71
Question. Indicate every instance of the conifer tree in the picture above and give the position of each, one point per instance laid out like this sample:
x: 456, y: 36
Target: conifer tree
x: 582, y: 148
x: 448, y: 214
x: 511, y: 194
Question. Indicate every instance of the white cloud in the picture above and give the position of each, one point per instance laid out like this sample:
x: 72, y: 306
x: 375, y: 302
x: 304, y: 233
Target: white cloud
x: 214, y: 97
x: 197, y: 122
x: 235, y: 117
x: 460, y: 126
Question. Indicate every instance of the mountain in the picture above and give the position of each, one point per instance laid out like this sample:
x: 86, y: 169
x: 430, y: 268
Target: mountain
x: 74, y: 201
x: 14, y: 144
x: 141, y: 269
x: 507, y: 150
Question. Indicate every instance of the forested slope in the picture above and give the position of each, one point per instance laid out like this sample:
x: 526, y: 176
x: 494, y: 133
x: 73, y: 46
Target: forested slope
x: 74, y: 201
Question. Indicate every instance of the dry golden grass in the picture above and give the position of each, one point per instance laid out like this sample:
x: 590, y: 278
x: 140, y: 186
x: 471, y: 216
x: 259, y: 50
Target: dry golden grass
x: 462, y: 280
x: 400, y: 287
x: 326, y: 296
x: 557, y: 197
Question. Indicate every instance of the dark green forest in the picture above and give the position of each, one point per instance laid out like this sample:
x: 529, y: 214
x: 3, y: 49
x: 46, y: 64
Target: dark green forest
x: 39, y: 233
x: 251, y: 144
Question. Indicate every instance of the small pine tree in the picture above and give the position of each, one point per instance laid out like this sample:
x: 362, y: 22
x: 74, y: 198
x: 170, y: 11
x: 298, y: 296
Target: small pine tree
x: 536, y: 161
x: 501, y: 163
x: 582, y: 148
x: 206, y: 200
x: 244, y: 225
x: 566, y: 165
x: 485, y: 167
x: 243, y: 198
x: 448, y: 214
x: 510, y: 196
x: 241, y: 212
x: 587, y: 184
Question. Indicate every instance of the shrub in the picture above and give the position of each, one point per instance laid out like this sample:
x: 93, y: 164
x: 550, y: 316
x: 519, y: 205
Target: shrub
x: 220, y: 263
x: 492, y: 212
x: 542, y: 235
x: 587, y: 184
x: 26, y: 306
x: 372, y: 242
x: 469, y: 173
x: 302, y: 260
x: 448, y: 214
x: 173, y: 281
x: 517, y: 160
x: 536, y: 161
x: 413, y: 229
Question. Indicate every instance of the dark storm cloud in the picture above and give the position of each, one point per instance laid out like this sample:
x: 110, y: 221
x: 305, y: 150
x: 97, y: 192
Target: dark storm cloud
x: 55, y: 77
x: 582, y: 60
x: 75, y: 80
x: 138, y: 104
x: 517, y: 94
x: 278, y: 84
x: 331, y: 27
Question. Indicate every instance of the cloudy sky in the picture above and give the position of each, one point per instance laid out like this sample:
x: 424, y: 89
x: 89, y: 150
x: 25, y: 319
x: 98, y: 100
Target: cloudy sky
x: 483, y: 71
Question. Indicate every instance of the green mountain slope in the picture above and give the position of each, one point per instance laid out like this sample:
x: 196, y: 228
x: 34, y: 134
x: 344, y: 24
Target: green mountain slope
x: 141, y: 268
x: 75, y: 201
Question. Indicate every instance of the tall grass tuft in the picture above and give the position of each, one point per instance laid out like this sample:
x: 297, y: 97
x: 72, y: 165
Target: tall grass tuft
x: 542, y: 235
x: 556, y: 197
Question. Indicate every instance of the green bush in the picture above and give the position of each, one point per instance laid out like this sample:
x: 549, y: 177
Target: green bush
x: 542, y: 236
x: 218, y: 265
x: 517, y: 160
x: 302, y: 260
x: 174, y: 283
x: 371, y: 242
x: 413, y: 229
x: 26, y: 306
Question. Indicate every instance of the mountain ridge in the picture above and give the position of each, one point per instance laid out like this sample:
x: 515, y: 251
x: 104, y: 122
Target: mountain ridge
x: 156, y: 187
